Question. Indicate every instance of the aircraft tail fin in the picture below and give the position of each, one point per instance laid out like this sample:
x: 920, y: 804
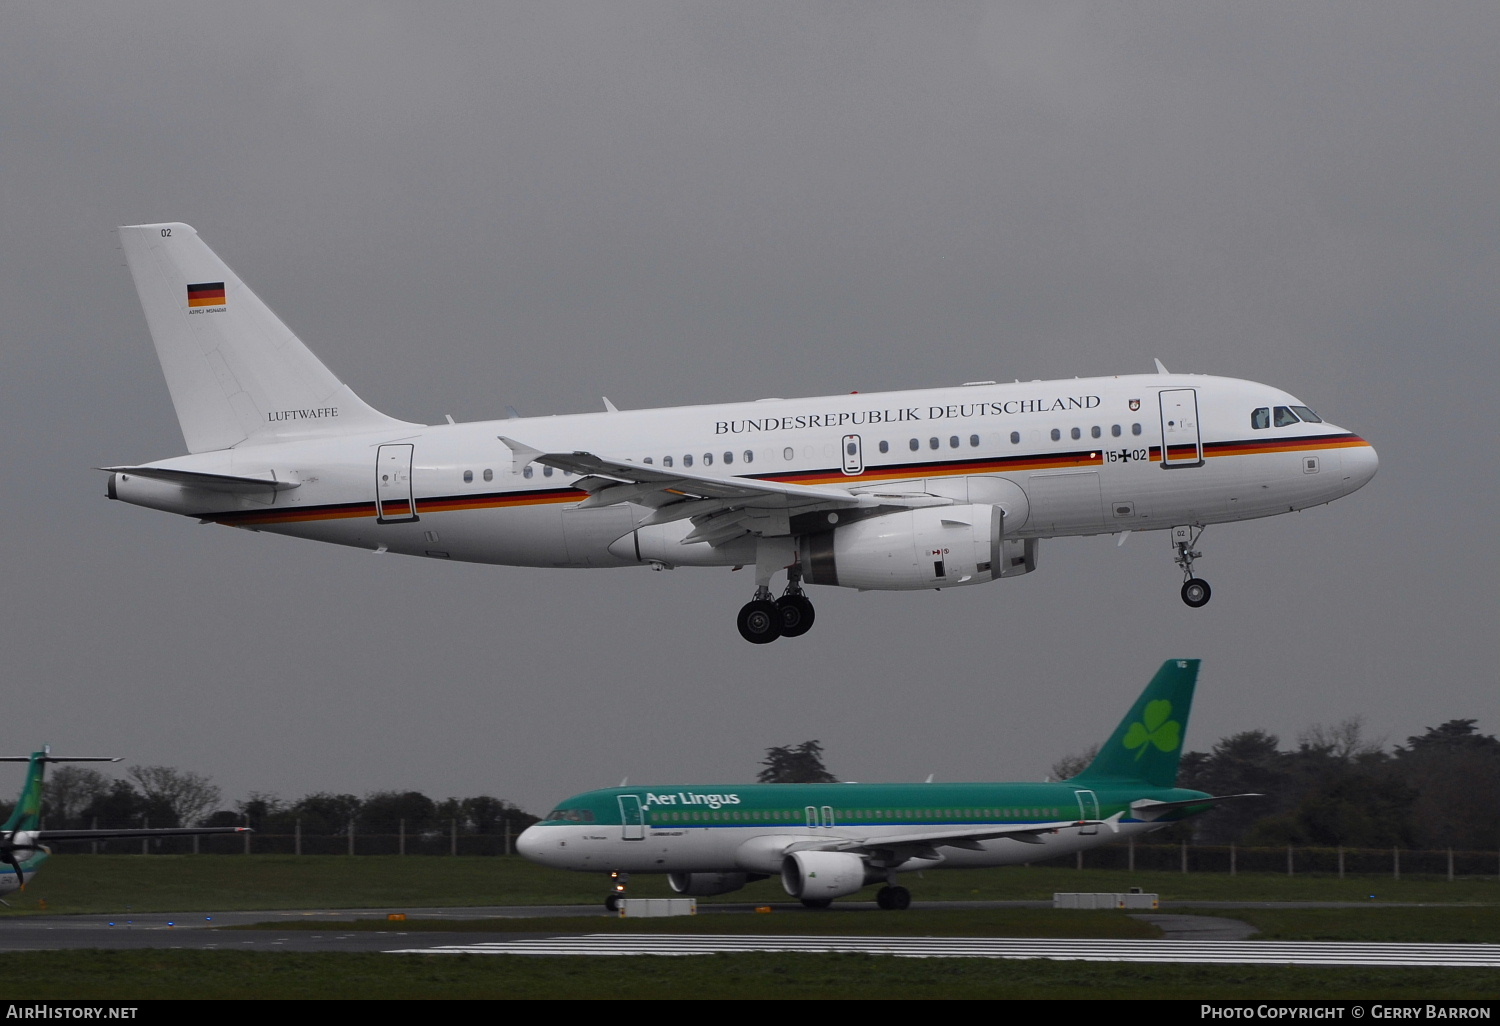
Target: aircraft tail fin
x: 234, y: 370
x: 1147, y: 745
x: 28, y: 811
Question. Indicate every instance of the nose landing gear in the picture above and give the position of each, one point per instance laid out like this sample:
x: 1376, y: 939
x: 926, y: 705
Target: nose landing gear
x: 1195, y: 590
x: 618, y: 881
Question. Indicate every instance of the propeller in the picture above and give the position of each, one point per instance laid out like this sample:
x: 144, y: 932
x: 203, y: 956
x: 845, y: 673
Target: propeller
x: 8, y: 856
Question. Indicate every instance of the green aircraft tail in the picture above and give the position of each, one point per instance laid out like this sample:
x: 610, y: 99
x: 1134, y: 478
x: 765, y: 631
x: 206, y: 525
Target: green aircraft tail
x: 1147, y: 744
x: 28, y: 811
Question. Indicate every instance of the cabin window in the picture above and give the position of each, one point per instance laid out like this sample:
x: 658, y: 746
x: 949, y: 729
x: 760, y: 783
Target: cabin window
x: 546, y: 471
x: 489, y: 475
x: 1096, y: 431
x: 666, y: 461
x: 786, y: 453
x: 1135, y: 429
x: 914, y: 445
x: 1114, y: 429
x: 708, y: 459
x: 749, y: 456
x: 1076, y: 433
x: 687, y: 461
x: 974, y: 441
x: 647, y: 460
x: 1307, y: 415
x: 1261, y: 418
x: 1285, y: 417
x: 468, y: 476
x: 953, y: 441
x: 1056, y: 435
x: 933, y: 443
x: 1015, y: 438
x: 528, y: 471
x: 885, y: 446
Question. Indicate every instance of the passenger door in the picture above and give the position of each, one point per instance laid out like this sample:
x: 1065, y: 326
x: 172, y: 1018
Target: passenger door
x: 394, y: 502
x: 1181, y: 443
x: 1088, y: 808
x: 632, y: 818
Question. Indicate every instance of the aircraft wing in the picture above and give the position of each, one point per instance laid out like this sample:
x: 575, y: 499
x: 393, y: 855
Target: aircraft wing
x: 925, y: 845
x: 721, y: 508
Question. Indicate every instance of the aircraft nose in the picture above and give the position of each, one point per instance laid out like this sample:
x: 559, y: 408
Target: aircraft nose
x: 1360, y: 464
x: 529, y: 844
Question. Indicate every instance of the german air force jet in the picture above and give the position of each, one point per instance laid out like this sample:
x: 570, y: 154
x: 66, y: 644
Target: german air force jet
x: 24, y: 841
x: 826, y: 841
x: 899, y: 491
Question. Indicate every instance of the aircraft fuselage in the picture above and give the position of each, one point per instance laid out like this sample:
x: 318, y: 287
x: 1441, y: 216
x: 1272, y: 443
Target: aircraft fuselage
x: 1073, y: 457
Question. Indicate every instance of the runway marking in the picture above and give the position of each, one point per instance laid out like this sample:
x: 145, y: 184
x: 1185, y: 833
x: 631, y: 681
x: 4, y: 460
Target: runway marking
x: 1238, y: 952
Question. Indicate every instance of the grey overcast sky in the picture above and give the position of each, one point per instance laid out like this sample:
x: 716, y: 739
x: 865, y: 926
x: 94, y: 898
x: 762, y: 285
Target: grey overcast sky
x: 461, y: 206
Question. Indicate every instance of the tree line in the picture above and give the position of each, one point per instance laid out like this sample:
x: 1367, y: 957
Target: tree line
x: 74, y: 797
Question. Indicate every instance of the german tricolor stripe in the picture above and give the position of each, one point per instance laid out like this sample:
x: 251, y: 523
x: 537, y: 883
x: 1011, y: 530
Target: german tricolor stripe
x: 873, y: 475
x: 206, y: 293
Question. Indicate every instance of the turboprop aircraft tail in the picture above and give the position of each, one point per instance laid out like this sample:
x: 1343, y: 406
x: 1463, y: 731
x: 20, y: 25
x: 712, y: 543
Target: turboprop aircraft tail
x: 28, y: 811
x: 235, y: 371
x: 1147, y: 745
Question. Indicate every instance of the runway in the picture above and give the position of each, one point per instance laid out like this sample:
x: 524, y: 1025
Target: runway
x: 1187, y: 938
x: 1312, y: 953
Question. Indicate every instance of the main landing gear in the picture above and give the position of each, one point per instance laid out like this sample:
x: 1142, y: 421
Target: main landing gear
x: 1195, y: 590
x: 893, y: 898
x: 762, y: 620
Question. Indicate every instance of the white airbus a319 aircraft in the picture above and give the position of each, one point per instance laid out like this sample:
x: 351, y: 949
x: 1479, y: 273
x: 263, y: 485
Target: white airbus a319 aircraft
x: 898, y: 491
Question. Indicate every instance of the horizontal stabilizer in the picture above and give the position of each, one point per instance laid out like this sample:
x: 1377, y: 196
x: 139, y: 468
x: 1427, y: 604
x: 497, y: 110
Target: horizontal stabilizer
x: 208, y: 482
x: 1147, y: 809
x: 51, y: 836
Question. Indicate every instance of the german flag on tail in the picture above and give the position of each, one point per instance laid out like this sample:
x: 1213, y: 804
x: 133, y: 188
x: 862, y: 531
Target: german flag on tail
x: 208, y: 293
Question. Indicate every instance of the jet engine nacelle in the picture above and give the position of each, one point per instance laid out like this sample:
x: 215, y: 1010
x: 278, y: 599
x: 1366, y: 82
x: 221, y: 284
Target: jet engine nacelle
x: 822, y: 875
x: 916, y: 549
x: 706, y: 885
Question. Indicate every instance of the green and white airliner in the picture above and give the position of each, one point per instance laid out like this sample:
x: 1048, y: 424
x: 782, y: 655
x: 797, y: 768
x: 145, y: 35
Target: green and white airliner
x: 831, y: 840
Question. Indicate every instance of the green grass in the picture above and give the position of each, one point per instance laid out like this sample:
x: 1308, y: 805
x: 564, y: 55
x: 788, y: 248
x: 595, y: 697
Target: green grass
x: 223, y: 975
x: 187, y: 883
x: 1008, y: 922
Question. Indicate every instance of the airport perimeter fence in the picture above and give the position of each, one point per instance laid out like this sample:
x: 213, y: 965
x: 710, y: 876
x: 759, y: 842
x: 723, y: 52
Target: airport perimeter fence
x: 447, y: 841
x: 1126, y: 855
x: 1290, y: 860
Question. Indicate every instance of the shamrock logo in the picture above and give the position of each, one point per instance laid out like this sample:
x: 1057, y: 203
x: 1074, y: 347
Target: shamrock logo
x: 1164, y: 733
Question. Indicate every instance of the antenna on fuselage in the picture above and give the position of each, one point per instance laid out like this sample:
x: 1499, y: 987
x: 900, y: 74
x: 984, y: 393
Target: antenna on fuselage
x: 1160, y: 368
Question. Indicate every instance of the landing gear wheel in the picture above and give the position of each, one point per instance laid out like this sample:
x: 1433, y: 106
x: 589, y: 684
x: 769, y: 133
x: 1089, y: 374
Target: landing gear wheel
x: 816, y: 902
x: 796, y: 615
x: 613, y: 902
x: 1196, y: 592
x: 894, y: 899
x: 759, y: 622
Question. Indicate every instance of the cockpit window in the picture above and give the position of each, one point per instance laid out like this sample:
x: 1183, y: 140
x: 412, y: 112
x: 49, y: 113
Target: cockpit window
x: 1261, y: 418
x: 1284, y: 416
x: 571, y: 815
x: 1307, y: 415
